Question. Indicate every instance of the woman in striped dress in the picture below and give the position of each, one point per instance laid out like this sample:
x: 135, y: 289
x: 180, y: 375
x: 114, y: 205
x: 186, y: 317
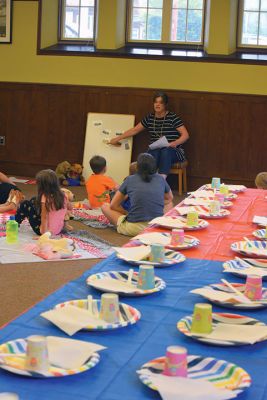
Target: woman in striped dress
x: 161, y: 123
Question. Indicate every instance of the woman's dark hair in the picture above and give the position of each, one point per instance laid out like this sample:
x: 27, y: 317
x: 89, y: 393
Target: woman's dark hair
x: 164, y: 97
x: 48, y: 185
x: 97, y: 164
x: 146, y: 166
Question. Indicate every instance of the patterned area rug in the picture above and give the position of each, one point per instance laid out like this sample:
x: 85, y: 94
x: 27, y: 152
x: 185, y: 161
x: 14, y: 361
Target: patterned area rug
x: 91, y: 243
x: 93, y: 218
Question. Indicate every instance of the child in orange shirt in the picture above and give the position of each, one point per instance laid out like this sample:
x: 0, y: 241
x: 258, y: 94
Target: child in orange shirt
x: 99, y: 185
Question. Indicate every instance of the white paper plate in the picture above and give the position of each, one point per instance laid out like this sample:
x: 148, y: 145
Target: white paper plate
x: 239, y: 267
x: 184, y: 326
x: 179, y: 223
x: 128, y: 314
x: 189, y: 242
x: 232, y: 188
x: 260, y: 234
x: 93, y: 281
x: 222, y: 374
x: 253, y: 248
x: 16, y: 366
x: 241, y: 287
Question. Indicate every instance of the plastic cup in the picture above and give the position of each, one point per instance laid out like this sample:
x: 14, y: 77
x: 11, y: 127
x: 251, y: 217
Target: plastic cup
x: 224, y: 189
x: 202, y: 318
x: 146, y: 277
x: 215, y: 183
x: 175, y: 361
x: 219, y: 197
x: 192, y: 218
x: 157, y: 253
x: 265, y: 232
x: 109, y: 310
x: 177, y: 237
x: 37, y: 354
x: 215, y: 207
x: 253, y: 289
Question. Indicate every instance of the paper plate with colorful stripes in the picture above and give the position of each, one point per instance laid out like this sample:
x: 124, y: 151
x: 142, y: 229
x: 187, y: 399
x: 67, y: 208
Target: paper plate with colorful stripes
x: 204, y: 211
x: 231, y: 188
x: 241, y: 287
x: 171, y: 222
x: 122, y: 276
x: 16, y: 364
x: 260, y: 234
x: 184, y: 326
x: 222, y: 374
x: 253, y: 248
x: 128, y: 314
x: 245, y: 266
x: 171, y: 258
x: 189, y: 241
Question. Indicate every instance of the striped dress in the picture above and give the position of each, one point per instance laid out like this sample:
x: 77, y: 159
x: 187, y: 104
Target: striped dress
x: 165, y: 126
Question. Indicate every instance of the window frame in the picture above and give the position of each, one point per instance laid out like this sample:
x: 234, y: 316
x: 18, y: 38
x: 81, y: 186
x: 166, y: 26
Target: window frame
x: 61, y: 25
x: 241, y: 47
x: 166, y: 28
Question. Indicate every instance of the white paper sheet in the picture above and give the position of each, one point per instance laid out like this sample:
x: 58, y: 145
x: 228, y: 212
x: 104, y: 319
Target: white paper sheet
x: 248, y: 271
x: 197, y: 202
x: 260, y: 220
x: 238, y: 333
x: 70, y: 353
x: 218, y: 295
x: 115, y: 285
x: 186, y: 210
x: 71, y: 319
x: 133, y: 253
x: 159, y: 144
x: 154, y: 238
x: 174, y: 388
x: 169, y: 221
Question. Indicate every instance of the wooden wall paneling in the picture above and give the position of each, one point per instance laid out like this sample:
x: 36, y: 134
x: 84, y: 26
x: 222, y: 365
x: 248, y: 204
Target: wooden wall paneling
x: 45, y: 124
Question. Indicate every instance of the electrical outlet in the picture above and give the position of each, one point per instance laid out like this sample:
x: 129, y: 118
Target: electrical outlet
x: 2, y: 140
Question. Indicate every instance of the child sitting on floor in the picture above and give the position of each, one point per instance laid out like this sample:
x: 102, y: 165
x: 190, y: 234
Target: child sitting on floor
x: 99, y: 185
x: 10, y: 195
x: 46, y: 213
x: 261, y: 180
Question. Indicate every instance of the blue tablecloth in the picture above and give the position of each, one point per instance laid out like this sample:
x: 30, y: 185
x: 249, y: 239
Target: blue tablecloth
x: 114, y: 377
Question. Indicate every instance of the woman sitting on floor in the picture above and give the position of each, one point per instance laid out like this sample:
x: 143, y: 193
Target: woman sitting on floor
x: 148, y: 192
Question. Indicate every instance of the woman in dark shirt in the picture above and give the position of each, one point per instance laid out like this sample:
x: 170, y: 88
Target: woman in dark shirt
x: 161, y: 123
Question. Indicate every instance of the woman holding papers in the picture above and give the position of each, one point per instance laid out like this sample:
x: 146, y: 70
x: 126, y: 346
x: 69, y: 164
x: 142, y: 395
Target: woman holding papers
x: 167, y: 134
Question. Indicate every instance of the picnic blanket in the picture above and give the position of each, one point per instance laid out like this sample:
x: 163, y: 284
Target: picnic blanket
x: 87, y: 246
x: 94, y: 218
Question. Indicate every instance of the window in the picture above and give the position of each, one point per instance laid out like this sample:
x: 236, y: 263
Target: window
x: 166, y: 21
x: 77, y: 19
x: 253, y: 23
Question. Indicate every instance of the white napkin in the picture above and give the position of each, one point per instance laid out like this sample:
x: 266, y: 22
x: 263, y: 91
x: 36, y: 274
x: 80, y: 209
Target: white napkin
x: 169, y: 221
x: 197, y: 202
x: 115, y: 285
x: 158, y: 144
x: 154, y: 237
x: 203, y: 193
x: 71, y: 319
x: 70, y: 353
x: 259, y: 220
x: 133, y: 253
x: 239, y: 333
x: 218, y: 295
x: 173, y: 388
x: 247, y: 271
x: 186, y: 210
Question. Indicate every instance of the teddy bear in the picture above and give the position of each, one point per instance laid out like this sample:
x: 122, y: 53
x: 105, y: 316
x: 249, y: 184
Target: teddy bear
x: 74, y: 175
x: 51, y: 249
x: 62, y: 170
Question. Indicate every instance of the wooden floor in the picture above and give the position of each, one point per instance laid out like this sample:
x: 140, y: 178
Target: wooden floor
x: 23, y: 285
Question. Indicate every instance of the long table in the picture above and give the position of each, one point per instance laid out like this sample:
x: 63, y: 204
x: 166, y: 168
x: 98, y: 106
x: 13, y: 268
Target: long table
x: 115, y: 377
